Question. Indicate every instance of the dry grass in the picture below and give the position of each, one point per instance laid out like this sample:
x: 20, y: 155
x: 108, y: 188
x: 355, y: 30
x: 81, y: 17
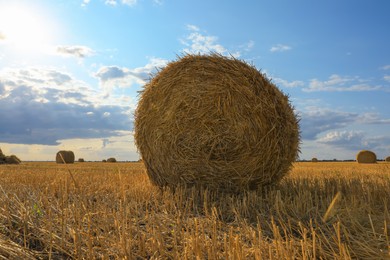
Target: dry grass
x: 111, y: 211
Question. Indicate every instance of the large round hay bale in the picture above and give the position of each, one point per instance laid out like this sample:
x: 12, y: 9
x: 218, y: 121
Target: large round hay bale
x: 314, y: 159
x: 387, y: 159
x: 214, y: 121
x: 365, y: 156
x: 1, y: 153
x: 112, y: 159
x: 65, y: 157
x: 12, y: 159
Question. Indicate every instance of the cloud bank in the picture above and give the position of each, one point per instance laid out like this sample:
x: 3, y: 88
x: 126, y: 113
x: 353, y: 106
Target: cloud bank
x: 42, y: 106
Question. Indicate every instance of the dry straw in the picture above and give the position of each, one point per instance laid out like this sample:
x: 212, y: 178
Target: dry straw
x: 214, y: 121
x: 365, y: 156
x: 65, y: 157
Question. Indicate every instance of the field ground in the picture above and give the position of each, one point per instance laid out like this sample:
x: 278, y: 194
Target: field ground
x: 111, y: 211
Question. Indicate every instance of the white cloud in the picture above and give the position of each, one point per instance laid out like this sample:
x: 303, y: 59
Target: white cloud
x: 339, y: 83
x: 386, y: 67
x: 199, y: 43
x: 114, y: 76
x: 76, y: 51
x: 85, y: 3
x: 387, y: 78
x: 288, y: 84
x: 192, y: 27
x: 354, y: 141
x: 316, y: 120
x: 280, y: 48
x: 347, y: 138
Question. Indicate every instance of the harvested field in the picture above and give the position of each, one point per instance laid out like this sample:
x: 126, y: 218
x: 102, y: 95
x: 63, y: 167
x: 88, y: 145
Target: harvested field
x: 112, y: 211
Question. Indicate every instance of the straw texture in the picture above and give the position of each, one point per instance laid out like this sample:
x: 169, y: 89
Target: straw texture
x: 214, y: 121
x: 365, y: 156
x: 65, y: 157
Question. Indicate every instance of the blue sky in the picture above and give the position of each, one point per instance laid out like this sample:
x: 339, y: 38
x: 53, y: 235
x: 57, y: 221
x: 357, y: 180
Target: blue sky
x: 70, y: 70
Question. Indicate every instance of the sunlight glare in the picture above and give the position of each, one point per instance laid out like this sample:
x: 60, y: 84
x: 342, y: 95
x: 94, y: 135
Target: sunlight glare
x: 23, y: 27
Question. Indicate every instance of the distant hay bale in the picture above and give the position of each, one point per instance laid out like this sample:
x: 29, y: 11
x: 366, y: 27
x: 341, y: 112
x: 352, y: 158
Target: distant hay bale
x: 104, y: 160
x: 13, y: 159
x: 111, y: 159
x: 314, y: 159
x: 365, y: 156
x: 81, y: 160
x: 214, y: 121
x: 67, y: 156
x: 387, y: 159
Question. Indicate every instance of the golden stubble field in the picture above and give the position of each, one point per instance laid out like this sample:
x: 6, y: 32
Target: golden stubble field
x: 111, y: 211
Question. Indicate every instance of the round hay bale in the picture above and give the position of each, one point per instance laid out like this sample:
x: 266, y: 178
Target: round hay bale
x: 2, y: 157
x: 387, y: 159
x: 314, y: 159
x: 111, y: 159
x: 81, y: 160
x: 13, y: 159
x: 104, y: 160
x: 365, y: 156
x: 214, y: 121
x: 65, y: 157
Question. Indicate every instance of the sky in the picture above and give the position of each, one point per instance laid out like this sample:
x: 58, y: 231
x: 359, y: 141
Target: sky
x: 71, y: 70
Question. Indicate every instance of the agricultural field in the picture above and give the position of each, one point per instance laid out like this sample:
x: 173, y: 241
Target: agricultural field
x: 96, y: 210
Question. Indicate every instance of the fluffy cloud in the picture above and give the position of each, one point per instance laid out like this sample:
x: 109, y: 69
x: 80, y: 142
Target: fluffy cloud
x: 350, y: 139
x: 196, y: 42
x: 356, y: 140
x: 339, y: 83
x: 315, y: 120
x: 76, y: 51
x: 280, y: 48
x: 40, y: 106
x: 288, y: 84
x: 114, y: 76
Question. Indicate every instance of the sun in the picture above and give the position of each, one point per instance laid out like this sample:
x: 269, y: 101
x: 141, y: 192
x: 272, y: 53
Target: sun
x: 23, y: 27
